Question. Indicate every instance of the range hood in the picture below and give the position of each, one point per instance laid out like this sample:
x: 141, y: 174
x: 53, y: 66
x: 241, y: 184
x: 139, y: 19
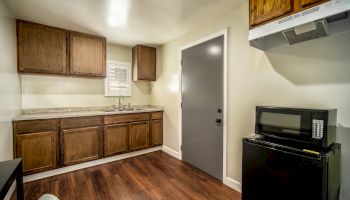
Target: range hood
x: 326, y: 19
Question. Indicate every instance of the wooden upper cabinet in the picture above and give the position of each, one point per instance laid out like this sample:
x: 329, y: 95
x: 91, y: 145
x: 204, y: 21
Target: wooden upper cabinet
x: 41, y: 49
x: 144, y: 63
x: 87, y: 55
x: 264, y: 10
x: 48, y: 50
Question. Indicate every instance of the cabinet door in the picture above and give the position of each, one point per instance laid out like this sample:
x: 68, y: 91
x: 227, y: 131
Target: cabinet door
x: 266, y: 169
x: 307, y: 3
x: 41, y: 49
x: 38, y: 151
x: 144, y: 63
x: 157, y: 132
x: 80, y: 145
x: 87, y: 55
x: 116, y: 139
x: 264, y: 10
x: 139, y: 135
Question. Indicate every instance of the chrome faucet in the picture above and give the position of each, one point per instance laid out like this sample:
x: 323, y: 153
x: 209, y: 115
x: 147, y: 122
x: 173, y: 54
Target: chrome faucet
x: 120, y: 104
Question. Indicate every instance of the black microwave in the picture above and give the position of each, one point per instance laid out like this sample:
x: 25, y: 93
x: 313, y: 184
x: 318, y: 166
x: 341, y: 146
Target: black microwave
x: 312, y: 126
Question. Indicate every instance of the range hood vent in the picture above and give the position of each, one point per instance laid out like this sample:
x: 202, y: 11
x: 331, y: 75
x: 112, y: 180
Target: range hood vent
x: 327, y: 19
x: 309, y: 31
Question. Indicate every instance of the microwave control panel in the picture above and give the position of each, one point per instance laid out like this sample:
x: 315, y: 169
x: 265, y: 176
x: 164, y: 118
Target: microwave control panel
x: 317, y: 129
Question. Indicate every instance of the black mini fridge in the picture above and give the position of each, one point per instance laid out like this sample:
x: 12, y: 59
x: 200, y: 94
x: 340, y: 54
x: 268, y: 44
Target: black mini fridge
x: 272, y: 171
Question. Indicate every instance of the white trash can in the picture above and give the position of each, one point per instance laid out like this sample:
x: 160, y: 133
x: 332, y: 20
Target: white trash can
x: 48, y: 197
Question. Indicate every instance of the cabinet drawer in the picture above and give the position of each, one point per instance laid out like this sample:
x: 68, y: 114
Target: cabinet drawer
x: 35, y: 126
x: 124, y: 118
x: 157, y: 115
x: 80, y: 122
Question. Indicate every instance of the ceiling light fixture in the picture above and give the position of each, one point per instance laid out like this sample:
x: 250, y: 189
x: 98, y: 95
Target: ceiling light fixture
x: 118, y: 11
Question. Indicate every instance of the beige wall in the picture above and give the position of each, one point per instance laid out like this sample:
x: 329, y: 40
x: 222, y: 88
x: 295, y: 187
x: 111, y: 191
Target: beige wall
x: 310, y: 74
x: 51, y: 91
x: 10, y: 91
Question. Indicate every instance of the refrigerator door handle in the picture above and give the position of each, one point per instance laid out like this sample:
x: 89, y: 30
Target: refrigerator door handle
x: 302, y: 154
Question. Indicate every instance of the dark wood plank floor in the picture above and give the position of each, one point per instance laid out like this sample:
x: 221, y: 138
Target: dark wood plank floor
x: 155, y: 175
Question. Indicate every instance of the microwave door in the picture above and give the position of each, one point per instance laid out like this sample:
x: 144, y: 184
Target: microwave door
x: 280, y: 123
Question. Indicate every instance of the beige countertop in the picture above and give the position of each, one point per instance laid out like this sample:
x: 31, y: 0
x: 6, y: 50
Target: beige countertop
x: 55, y: 113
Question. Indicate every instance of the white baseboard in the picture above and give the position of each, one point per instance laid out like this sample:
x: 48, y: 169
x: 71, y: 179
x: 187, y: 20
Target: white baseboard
x: 236, y: 185
x: 87, y: 164
x: 11, y: 191
x: 172, y: 152
x: 230, y: 182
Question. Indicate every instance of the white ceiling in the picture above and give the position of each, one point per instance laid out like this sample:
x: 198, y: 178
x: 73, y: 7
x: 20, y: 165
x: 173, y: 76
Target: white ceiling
x: 126, y: 22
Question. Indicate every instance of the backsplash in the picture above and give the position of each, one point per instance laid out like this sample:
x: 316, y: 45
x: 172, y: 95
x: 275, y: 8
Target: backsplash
x: 74, y: 92
x: 55, y: 91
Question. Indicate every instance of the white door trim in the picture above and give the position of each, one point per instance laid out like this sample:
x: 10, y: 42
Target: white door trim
x: 224, y: 33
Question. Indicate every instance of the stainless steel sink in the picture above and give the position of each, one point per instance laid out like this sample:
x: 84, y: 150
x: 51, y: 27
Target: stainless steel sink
x: 124, y: 110
x: 107, y: 111
x: 131, y: 109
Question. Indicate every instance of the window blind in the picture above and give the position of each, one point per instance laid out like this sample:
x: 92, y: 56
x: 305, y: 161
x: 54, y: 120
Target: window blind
x: 118, y: 79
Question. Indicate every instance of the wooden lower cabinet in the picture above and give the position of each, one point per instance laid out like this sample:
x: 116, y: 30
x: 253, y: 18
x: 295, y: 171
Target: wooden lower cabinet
x: 80, y: 145
x: 38, y: 151
x: 139, y: 135
x: 156, y: 132
x: 116, y: 138
x: 49, y: 144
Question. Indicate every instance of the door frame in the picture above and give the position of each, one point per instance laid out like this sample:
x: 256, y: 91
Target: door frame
x: 224, y: 33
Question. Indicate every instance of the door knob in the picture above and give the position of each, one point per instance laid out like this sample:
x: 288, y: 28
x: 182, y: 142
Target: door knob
x: 218, y: 120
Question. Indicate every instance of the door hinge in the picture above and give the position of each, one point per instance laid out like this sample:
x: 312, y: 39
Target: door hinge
x: 182, y: 62
x: 181, y: 105
x: 181, y: 147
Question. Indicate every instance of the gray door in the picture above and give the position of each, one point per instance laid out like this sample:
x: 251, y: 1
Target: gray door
x: 202, y: 102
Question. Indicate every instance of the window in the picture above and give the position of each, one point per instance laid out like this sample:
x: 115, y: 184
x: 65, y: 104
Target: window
x: 118, y: 80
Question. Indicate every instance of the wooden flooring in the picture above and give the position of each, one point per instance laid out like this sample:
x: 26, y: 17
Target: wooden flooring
x: 155, y: 175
